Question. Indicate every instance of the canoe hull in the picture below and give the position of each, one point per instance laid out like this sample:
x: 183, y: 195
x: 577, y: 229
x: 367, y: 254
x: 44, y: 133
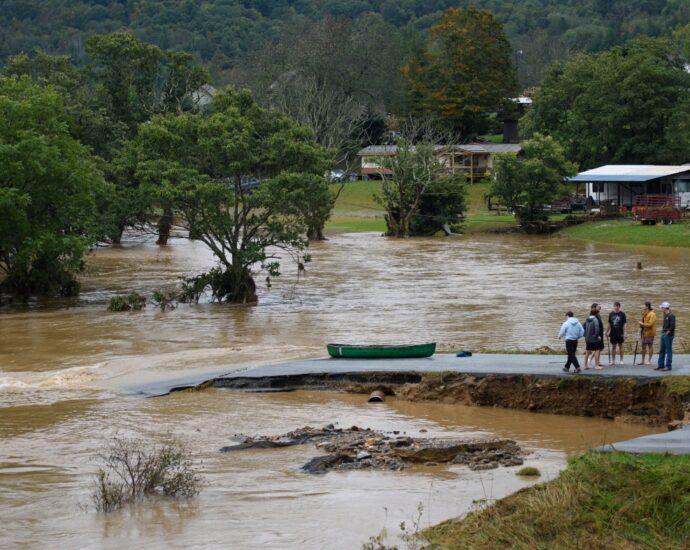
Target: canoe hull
x: 381, y: 352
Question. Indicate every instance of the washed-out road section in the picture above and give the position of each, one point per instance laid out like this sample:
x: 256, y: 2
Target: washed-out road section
x: 675, y: 442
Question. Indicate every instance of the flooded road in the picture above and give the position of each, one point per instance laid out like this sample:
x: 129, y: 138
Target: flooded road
x: 67, y: 371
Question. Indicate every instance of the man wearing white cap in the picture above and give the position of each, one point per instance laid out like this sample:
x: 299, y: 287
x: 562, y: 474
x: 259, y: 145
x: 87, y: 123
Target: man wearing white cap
x: 667, y: 333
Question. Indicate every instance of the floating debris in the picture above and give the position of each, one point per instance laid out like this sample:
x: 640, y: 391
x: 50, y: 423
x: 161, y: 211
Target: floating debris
x: 358, y: 448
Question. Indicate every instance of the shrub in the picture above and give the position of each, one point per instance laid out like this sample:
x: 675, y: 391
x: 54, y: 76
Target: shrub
x: 529, y: 471
x: 133, y: 300
x: 136, y: 300
x: 118, y: 303
x: 164, y: 300
x: 134, y: 469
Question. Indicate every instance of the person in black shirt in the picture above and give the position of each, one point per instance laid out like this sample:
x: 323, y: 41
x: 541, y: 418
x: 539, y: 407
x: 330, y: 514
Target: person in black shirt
x: 667, y: 333
x: 617, y: 332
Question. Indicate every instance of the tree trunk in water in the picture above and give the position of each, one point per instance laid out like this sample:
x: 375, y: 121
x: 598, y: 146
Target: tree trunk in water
x: 236, y: 286
x: 315, y: 233
x: 117, y: 235
x: 164, y: 226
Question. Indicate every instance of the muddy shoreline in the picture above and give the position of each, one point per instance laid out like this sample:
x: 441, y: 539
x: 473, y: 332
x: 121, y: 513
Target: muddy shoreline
x: 626, y: 399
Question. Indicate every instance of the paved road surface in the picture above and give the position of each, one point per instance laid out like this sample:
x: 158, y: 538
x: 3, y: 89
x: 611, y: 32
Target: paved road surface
x: 676, y: 442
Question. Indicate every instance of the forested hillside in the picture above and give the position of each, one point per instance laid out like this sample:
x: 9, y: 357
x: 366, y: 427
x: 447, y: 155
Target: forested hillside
x: 221, y: 33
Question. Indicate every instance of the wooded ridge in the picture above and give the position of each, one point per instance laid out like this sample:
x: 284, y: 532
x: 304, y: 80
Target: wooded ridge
x: 222, y: 33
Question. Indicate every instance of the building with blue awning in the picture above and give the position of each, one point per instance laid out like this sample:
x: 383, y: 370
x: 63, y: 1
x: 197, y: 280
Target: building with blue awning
x: 619, y: 184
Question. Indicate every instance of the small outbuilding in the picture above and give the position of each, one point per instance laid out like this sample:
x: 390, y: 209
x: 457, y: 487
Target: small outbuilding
x: 621, y: 184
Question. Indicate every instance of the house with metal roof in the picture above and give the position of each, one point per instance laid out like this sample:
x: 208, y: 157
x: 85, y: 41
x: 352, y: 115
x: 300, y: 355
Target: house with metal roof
x: 619, y: 184
x: 475, y: 160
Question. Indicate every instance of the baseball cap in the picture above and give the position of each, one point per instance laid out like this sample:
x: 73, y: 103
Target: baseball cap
x: 664, y: 305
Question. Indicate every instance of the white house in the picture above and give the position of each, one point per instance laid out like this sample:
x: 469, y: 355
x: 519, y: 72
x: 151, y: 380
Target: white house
x: 619, y: 184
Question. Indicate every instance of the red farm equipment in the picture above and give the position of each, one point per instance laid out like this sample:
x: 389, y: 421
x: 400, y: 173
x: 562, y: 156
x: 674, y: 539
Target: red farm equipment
x: 652, y: 209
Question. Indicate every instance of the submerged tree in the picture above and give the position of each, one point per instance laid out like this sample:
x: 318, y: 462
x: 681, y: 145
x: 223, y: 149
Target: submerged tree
x: 418, y: 195
x: 200, y: 163
x: 133, y: 81
x: 526, y: 184
x: 50, y: 187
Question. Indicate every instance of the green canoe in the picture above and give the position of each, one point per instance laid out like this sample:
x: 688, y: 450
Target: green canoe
x: 381, y: 352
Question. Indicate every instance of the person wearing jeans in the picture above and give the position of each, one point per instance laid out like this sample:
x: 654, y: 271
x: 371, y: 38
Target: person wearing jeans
x: 667, y: 332
x: 571, y: 331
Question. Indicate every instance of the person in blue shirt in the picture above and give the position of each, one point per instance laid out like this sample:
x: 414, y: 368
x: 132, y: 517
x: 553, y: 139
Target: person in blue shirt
x: 571, y: 331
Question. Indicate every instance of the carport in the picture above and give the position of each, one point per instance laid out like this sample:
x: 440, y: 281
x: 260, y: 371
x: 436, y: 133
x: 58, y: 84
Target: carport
x: 619, y: 184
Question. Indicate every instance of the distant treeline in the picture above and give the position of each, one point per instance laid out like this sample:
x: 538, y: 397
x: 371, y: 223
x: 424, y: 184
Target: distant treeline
x: 223, y: 34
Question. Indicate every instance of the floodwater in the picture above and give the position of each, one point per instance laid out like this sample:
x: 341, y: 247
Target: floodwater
x: 69, y: 374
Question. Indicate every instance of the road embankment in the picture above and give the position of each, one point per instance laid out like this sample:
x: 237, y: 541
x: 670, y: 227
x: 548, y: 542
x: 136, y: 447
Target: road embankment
x: 641, y: 399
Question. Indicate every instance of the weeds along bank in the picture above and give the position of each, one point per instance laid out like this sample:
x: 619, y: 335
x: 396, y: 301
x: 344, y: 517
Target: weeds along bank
x: 613, y: 501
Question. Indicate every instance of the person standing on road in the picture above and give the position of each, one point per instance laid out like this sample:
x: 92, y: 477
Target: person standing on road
x: 617, y: 332
x: 571, y: 331
x: 597, y: 355
x: 667, y: 332
x: 593, y: 338
x: 648, y: 329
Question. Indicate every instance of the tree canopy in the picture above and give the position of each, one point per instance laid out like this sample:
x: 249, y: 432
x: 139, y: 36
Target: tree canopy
x: 199, y: 164
x: 50, y: 188
x: 466, y: 70
x: 526, y: 183
x: 220, y: 33
x: 418, y: 196
x: 628, y: 105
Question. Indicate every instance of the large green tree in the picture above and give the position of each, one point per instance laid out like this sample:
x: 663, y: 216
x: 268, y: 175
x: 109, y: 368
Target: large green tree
x: 419, y: 198
x: 200, y: 163
x: 629, y: 105
x: 50, y: 187
x: 526, y: 183
x: 126, y: 83
x: 466, y: 71
x: 134, y: 80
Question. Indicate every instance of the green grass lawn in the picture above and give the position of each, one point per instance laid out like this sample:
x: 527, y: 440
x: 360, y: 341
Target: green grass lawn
x: 356, y: 210
x: 629, y: 232
x: 614, y: 501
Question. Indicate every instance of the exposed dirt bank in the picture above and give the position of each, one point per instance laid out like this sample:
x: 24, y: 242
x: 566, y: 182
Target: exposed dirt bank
x: 653, y: 401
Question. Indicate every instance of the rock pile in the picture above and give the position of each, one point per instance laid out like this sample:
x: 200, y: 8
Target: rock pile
x: 358, y: 448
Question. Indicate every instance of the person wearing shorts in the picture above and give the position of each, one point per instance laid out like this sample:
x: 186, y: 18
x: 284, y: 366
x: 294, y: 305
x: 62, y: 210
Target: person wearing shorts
x: 648, y: 332
x: 597, y: 355
x: 616, y: 332
x: 592, y: 335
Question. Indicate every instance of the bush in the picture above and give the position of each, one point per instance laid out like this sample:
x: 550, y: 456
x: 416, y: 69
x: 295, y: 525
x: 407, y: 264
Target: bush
x: 133, y: 300
x: 118, y: 303
x: 165, y: 300
x: 529, y: 471
x: 135, y: 469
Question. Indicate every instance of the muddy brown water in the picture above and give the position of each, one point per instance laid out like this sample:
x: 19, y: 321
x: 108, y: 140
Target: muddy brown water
x: 69, y: 372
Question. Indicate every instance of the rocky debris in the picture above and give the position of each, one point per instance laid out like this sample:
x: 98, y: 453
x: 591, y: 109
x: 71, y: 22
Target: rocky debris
x: 358, y: 448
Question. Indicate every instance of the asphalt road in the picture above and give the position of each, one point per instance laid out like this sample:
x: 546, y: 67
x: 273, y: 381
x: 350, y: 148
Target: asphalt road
x: 676, y: 442
x: 478, y: 363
